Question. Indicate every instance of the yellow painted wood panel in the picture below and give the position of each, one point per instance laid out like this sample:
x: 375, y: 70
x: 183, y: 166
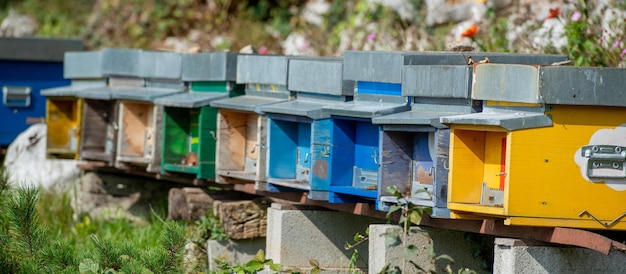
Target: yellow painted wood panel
x: 486, y: 210
x: 493, y: 156
x: 467, y: 150
x: 544, y: 178
x: 63, y: 120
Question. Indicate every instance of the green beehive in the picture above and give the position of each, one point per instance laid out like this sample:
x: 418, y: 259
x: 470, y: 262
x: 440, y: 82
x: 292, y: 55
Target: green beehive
x: 189, y: 122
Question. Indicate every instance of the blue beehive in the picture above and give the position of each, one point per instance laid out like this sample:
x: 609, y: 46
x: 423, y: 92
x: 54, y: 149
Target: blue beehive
x: 349, y: 157
x: 28, y: 65
x: 294, y: 125
x: 414, y: 143
x: 100, y: 111
x: 242, y: 126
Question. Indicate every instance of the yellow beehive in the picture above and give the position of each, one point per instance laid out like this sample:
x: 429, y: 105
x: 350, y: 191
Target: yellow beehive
x: 549, y: 148
x: 63, y: 118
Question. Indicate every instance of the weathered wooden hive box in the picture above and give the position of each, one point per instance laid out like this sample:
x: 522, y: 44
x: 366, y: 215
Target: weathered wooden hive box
x: 29, y: 66
x: 242, y: 126
x: 189, y: 122
x: 100, y: 110
x: 65, y: 107
x: 350, y: 151
x: 295, y: 127
x: 140, y: 120
x: 414, y: 144
x: 547, y: 150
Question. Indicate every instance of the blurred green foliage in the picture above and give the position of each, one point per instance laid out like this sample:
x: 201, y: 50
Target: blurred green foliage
x: 350, y: 24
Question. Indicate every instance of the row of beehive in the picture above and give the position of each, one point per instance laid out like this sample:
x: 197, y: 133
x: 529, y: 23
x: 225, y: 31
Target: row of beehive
x: 510, y: 137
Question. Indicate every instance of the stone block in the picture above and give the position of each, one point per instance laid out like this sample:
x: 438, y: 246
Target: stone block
x: 295, y: 236
x: 520, y: 256
x: 233, y: 251
x: 428, y: 241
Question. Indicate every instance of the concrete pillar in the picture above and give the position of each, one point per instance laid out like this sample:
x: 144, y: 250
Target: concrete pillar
x: 429, y: 241
x: 297, y: 235
x: 233, y: 251
x: 521, y: 256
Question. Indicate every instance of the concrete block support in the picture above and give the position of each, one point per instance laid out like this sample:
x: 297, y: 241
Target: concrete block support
x: 519, y: 256
x: 233, y: 251
x: 297, y: 235
x: 428, y: 241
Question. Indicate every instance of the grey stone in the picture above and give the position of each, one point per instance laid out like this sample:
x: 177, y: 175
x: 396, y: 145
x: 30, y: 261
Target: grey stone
x: 518, y: 256
x: 296, y: 236
x: 440, y: 241
x: 233, y: 251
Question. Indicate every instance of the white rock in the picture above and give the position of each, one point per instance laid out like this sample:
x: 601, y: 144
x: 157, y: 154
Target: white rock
x: 26, y: 161
x: 314, y: 10
x: 297, y: 44
x: 441, y: 11
x: 17, y: 25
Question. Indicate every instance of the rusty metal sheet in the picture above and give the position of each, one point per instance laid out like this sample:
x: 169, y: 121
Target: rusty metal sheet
x: 557, y: 235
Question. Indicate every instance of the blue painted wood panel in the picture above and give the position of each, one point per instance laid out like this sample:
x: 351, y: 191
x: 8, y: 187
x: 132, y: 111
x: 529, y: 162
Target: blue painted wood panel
x: 304, y: 144
x: 342, y: 152
x: 321, y: 154
x: 282, y: 144
x: 37, y: 76
x: 379, y: 88
x: 366, y: 145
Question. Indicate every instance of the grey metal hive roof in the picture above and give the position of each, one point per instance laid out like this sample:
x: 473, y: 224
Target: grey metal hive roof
x: 99, y: 93
x: 121, y: 62
x: 551, y: 84
x: 210, y: 66
x: 507, y: 120
x: 82, y: 64
x: 368, y: 106
x: 148, y: 94
x: 248, y: 103
x: 262, y: 69
x: 307, y: 108
x: 76, y: 88
x: 190, y: 99
x: 386, y: 66
x: 163, y: 65
x: 322, y: 76
x: 439, y: 81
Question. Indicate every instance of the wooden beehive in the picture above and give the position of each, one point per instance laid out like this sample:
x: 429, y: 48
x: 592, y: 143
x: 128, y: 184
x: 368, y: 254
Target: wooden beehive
x: 64, y: 111
x: 100, y: 111
x: 190, y: 123
x: 242, y: 126
x: 546, y: 151
x: 99, y: 131
x: 140, y: 120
